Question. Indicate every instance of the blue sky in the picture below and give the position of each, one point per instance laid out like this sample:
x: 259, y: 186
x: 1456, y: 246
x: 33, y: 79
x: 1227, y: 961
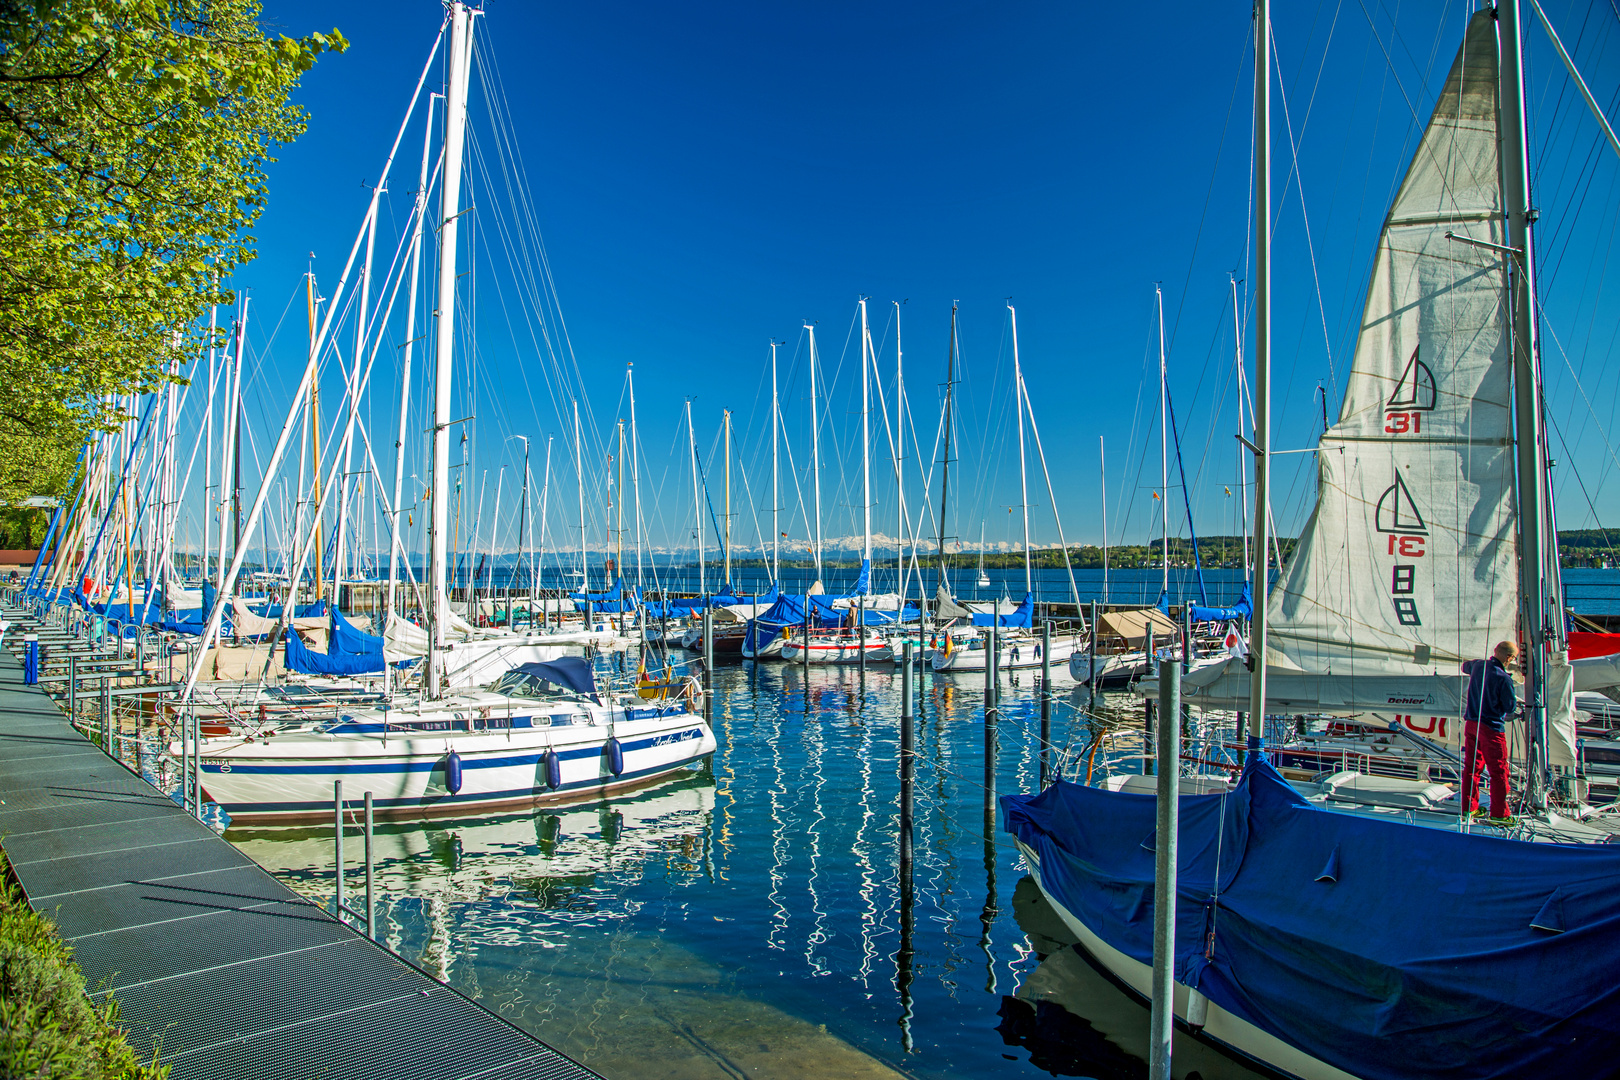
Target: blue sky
x: 708, y: 178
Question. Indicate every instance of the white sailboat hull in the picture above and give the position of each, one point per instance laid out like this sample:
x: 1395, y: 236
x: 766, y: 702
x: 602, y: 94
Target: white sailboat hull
x: 288, y: 777
x: 1026, y: 653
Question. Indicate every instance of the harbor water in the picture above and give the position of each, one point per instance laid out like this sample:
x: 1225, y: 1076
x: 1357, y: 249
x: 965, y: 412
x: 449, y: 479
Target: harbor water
x: 745, y: 919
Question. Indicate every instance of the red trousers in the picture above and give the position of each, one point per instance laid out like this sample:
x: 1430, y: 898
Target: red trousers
x: 1484, y: 746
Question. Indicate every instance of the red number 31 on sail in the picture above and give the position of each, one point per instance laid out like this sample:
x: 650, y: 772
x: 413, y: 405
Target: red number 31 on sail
x: 1399, y: 423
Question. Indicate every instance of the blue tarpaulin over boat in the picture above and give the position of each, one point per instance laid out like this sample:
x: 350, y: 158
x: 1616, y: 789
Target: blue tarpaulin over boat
x: 611, y: 603
x: 574, y: 672
x: 299, y: 657
x: 348, y: 640
x: 1243, y: 609
x: 1022, y: 615
x: 1387, y: 949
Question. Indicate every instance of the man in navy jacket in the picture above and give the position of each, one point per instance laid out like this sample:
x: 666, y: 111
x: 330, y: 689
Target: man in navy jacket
x: 1491, y: 702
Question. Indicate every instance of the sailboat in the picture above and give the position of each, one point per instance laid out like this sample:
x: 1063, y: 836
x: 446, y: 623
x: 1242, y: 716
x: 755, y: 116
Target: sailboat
x: 542, y: 732
x: 1323, y: 943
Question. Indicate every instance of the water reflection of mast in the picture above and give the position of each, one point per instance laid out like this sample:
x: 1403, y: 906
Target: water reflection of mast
x: 818, y: 933
x: 904, y: 958
x: 861, y: 849
x: 987, y: 917
x: 779, y: 853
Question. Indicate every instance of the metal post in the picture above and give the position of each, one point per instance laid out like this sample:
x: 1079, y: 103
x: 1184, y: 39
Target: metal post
x: 73, y: 688
x: 1093, y: 681
x: 907, y: 762
x: 1162, y: 1025
x: 371, y: 901
x: 708, y: 648
x: 106, y: 714
x: 1147, y: 709
x: 1046, y: 700
x: 181, y: 734
x: 140, y: 655
x: 196, y: 764
x: 989, y: 676
x: 860, y: 632
x: 337, y: 845
x: 1186, y: 638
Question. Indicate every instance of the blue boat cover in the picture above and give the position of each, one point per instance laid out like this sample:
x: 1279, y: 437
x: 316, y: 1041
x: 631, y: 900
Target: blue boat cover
x: 351, y: 641
x: 192, y: 621
x: 620, y: 603
x: 1386, y: 949
x: 1022, y: 615
x: 573, y: 672
x: 300, y: 658
x: 1243, y: 609
x: 603, y: 597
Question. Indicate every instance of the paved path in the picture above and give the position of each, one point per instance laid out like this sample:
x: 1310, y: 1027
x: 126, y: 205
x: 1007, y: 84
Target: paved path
x: 230, y: 972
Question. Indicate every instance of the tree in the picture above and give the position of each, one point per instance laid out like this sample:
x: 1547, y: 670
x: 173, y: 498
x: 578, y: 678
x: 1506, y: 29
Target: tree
x: 134, y: 137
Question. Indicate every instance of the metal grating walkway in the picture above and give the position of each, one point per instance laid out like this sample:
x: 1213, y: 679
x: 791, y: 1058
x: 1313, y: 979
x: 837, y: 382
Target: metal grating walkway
x: 227, y: 970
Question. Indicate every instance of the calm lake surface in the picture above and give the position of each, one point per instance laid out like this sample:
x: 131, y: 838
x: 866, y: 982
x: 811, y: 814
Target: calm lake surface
x: 744, y: 919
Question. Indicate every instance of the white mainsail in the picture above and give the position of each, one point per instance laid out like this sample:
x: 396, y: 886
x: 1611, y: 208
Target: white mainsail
x: 1409, y: 563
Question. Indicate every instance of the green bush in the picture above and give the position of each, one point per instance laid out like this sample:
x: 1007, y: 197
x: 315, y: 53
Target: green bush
x: 49, y: 1028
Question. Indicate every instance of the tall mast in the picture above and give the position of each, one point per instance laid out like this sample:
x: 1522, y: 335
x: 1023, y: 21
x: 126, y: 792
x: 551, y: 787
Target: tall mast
x: 545, y: 492
x: 236, y: 434
x: 233, y: 385
x: 455, y: 129
x: 618, y: 556
x: 945, y: 475
x: 1023, y: 474
x: 579, y: 470
x: 697, y: 495
x: 1243, y: 465
x: 726, y: 418
x: 899, y: 458
x: 523, y: 515
x: 1262, y: 364
x: 815, y: 445
x: 315, y: 439
x: 344, y: 493
x: 1164, y: 449
x: 394, y: 545
x: 635, y: 464
x: 208, y: 438
x: 1537, y: 550
x: 776, y: 477
x: 866, y: 414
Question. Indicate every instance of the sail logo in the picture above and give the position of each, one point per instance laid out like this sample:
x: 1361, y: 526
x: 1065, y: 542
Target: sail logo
x: 1414, y: 395
x: 1397, y: 514
x: 1398, y: 517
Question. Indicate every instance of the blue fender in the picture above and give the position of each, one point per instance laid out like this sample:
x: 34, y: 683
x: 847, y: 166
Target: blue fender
x: 553, y: 770
x: 452, y: 772
x: 615, y: 756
